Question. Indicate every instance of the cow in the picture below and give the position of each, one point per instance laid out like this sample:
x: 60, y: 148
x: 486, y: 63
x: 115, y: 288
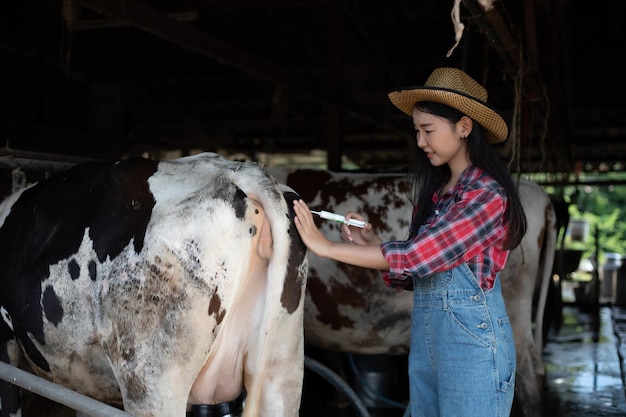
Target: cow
x: 349, y: 309
x: 156, y: 286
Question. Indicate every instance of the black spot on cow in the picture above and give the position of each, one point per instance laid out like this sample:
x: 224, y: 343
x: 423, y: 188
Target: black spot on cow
x: 47, y: 224
x: 93, y: 270
x: 125, y: 208
x: 240, y: 203
x: 52, y: 306
x: 233, y: 195
x: 73, y: 269
x: 293, y: 288
x: 215, y: 308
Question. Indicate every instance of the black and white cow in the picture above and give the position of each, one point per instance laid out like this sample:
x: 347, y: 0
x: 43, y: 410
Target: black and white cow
x: 156, y: 285
x: 349, y: 309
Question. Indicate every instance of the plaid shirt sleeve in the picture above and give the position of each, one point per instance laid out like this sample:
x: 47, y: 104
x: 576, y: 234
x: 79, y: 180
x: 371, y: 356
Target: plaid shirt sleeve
x: 471, y: 225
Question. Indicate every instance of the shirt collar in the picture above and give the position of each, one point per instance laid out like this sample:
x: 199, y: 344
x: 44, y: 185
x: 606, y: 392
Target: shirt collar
x: 470, y: 175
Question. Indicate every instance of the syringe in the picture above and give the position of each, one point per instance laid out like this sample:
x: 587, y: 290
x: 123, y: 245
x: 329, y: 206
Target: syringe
x: 339, y: 218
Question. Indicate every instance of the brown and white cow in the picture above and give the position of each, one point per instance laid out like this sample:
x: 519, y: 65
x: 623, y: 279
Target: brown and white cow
x: 349, y: 309
x: 156, y: 285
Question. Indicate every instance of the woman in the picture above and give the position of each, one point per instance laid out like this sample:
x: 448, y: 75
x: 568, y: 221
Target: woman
x: 467, y: 217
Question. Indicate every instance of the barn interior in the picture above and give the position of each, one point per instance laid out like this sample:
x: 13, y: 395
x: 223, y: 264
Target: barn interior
x: 304, y: 82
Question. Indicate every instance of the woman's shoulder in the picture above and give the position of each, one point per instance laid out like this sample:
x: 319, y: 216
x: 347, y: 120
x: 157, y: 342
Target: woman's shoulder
x: 476, y: 177
x: 479, y: 182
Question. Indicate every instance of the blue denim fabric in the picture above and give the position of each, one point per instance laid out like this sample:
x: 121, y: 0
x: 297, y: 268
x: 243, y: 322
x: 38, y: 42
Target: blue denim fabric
x: 462, y: 358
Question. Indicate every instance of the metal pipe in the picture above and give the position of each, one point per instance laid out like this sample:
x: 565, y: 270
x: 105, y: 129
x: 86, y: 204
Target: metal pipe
x: 38, y: 161
x: 58, y: 393
x: 35, y: 164
x: 339, y: 384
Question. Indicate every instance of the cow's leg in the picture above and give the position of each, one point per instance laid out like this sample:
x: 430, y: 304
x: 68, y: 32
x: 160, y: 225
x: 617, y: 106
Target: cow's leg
x: 518, y: 289
x: 9, y: 353
x: 156, y: 356
x: 156, y: 362
x: 156, y: 380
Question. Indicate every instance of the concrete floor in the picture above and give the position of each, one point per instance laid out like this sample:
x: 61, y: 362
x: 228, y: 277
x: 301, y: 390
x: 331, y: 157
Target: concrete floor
x: 584, y: 375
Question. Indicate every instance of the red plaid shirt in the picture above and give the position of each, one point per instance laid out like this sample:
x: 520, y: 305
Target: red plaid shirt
x: 467, y: 225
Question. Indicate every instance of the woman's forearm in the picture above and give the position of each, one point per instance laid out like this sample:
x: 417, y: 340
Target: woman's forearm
x: 363, y: 255
x: 366, y: 256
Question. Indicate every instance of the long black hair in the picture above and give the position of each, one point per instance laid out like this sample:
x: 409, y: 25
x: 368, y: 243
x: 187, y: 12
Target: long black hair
x: 428, y: 178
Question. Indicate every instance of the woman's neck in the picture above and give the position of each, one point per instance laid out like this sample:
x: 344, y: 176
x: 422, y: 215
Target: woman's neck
x: 455, y: 173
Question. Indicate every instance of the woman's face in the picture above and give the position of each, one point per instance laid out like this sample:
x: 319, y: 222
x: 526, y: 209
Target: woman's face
x: 442, y: 140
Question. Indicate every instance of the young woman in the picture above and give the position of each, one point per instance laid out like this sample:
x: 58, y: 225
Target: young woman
x: 467, y: 217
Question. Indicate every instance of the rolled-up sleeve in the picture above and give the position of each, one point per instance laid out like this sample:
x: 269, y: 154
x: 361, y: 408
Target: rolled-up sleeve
x: 465, y: 230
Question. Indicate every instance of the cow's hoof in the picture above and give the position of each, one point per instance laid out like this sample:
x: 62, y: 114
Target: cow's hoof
x: 227, y: 409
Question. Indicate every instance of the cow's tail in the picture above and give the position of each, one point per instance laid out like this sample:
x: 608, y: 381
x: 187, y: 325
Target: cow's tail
x: 281, y: 353
x: 545, y: 270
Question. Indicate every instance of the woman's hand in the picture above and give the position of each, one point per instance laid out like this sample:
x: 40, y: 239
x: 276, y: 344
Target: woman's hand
x: 357, y: 235
x: 364, y: 255
x: 310, y: 234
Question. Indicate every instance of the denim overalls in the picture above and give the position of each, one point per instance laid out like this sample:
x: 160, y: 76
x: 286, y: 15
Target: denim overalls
x: 462, y: 358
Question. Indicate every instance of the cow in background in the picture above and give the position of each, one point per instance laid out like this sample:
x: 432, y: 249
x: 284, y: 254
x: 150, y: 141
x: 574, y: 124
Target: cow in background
x: 156, y: 285
x: 349, y: 309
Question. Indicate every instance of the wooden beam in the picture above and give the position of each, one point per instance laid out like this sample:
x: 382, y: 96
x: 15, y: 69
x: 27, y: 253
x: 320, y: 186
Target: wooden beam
x: 208, y: 5
x: 161, y: 25
x: 334, y: 69
x: 496, y: 30
x: 531, y: 35
x: 497, y: 27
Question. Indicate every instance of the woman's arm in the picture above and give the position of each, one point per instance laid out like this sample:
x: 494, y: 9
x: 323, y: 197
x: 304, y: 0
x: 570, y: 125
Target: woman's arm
x: 364, y: 255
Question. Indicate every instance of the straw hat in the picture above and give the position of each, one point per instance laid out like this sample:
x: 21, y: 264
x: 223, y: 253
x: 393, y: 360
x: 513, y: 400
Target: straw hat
x: 454, y: 88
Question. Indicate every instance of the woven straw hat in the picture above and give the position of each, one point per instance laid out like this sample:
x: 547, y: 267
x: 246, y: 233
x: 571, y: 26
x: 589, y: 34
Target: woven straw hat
x: 454, y: 88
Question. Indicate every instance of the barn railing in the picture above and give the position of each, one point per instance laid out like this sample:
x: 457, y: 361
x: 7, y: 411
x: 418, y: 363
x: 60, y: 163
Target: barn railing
x: 85, y: 406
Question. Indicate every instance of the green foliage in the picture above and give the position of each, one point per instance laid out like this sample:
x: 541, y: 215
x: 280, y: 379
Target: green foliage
x: 603, y: 206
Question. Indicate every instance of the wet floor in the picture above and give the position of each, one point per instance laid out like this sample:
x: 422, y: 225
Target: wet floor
x: 583, y: 363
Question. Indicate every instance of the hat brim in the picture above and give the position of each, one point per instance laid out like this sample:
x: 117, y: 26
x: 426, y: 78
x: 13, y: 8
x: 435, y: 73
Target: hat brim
x: 494, y: 125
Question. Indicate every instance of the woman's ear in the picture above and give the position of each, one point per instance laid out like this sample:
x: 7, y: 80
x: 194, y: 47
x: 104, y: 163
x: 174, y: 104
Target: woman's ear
x: 465, y: 125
